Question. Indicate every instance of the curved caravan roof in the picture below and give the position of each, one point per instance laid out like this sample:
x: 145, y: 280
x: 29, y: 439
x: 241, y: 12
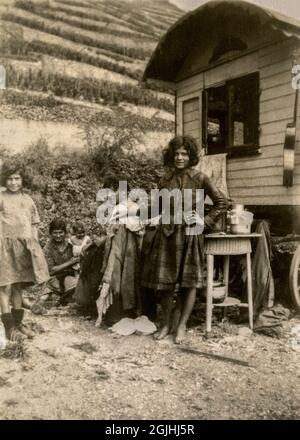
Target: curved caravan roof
x: 223, y: 17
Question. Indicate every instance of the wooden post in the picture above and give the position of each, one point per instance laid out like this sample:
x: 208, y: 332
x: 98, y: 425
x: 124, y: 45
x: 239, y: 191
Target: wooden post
x: 226, y: 273
x: 249, y: 291
x: 209, y: 292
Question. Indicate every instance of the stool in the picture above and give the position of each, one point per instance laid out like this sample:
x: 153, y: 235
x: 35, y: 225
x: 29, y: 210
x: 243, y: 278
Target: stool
x: 227, y: 245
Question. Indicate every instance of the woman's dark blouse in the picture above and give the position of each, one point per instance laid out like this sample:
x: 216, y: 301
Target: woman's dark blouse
x: 194, y: 179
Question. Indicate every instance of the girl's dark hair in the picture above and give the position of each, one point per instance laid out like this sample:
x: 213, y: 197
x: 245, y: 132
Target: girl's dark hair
x: 189, y: 143
x: 57, y: 224
x: 10, y: 167
x: 78, y: 226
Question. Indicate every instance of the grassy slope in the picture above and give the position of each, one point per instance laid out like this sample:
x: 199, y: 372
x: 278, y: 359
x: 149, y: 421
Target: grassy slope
x: 115, y: 38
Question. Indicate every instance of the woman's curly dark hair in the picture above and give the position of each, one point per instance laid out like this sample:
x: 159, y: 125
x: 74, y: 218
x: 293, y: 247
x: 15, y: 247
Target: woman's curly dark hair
x: 13, y: 166
x: 189, y: 143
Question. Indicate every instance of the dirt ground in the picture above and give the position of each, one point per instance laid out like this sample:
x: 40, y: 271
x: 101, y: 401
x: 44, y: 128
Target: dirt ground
x: 72, y: 370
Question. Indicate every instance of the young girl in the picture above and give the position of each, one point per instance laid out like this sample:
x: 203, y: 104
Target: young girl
x: 79, y: 241
x: 22, y: 259
x: 170, y: 256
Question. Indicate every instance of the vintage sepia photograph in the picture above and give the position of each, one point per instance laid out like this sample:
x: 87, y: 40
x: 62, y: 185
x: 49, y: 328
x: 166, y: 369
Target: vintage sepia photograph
x: 149, y: 212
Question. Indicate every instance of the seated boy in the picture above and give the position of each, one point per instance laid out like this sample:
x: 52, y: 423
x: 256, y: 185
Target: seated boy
x: 60, y: 258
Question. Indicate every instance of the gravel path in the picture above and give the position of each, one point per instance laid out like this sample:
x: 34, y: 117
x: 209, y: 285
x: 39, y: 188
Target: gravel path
x: 71, y: 370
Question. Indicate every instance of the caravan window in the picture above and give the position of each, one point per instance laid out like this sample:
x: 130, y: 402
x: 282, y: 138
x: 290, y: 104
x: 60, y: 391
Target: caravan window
x: 231, y: 116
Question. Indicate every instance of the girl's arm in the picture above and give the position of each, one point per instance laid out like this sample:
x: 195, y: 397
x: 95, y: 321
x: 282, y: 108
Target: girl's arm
x: 122, y: 211
x: 56, y: 269
x: 52, y: 266
x: 220, y: 202
x: 98, y: 241
x: 35, y: 232
x: 35, y: 220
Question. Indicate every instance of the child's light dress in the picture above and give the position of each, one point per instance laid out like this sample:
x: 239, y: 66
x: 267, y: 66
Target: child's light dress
x: 77, y: 248
x: 21, y: 257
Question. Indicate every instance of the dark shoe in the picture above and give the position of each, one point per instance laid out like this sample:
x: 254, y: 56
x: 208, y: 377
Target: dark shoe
x: 8, y: 323
x: 12, y: 333
x: 18, y: 315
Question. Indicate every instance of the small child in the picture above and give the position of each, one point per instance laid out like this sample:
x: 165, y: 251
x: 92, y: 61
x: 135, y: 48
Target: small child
x: 22, y: 259
x: 80, y: 241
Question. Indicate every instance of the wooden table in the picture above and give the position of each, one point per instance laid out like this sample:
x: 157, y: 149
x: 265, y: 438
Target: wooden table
x: 227, y: 245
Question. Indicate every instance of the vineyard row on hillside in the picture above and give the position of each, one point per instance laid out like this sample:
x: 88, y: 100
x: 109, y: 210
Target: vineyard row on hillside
x: 29, y: 105
x: 121, y: 8
x: 14, y: 47
x: 132, y: 52
x: 93, y: 27
x: 88, y: 89
x: 171, y: 16
x: 87, y: 13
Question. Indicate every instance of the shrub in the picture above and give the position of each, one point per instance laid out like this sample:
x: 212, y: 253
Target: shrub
x: 66, y: 184
x: 114, y: 150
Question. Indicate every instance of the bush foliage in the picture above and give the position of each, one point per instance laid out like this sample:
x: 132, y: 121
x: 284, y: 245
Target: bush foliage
x: 65, y: 185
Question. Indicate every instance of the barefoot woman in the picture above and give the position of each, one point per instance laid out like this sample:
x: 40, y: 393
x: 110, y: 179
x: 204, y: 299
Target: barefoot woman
x: 172, y: 257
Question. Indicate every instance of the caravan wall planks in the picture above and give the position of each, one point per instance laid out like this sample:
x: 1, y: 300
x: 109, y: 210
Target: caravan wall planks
x: 252, y: 180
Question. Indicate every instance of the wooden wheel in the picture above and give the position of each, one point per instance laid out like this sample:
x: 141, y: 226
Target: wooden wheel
x: 294, y: 279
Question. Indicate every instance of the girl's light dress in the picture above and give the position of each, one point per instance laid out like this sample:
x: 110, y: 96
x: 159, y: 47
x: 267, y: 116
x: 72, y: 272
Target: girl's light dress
x: 21, y: 257
x: 77, y: 248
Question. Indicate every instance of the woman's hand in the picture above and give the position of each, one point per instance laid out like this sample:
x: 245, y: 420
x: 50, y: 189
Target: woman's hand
x: 84, y: 249
x: 193, y: 218
x: 123, y: 211
x: 61, y: 267
x: 98, y: 241
x: 120, y: 212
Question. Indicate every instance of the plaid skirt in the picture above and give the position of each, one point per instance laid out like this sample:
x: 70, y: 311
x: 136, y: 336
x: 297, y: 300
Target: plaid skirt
x: 172, y: 259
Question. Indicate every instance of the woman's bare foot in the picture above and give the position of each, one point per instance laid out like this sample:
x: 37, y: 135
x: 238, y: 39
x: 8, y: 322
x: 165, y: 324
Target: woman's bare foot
x: 162, y: 333
x: 98, y: 322
x: 180, y: 334
x: 175, y: 320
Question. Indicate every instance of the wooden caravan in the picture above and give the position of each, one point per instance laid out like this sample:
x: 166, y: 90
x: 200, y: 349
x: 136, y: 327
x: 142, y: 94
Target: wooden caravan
x: 231, y: 65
